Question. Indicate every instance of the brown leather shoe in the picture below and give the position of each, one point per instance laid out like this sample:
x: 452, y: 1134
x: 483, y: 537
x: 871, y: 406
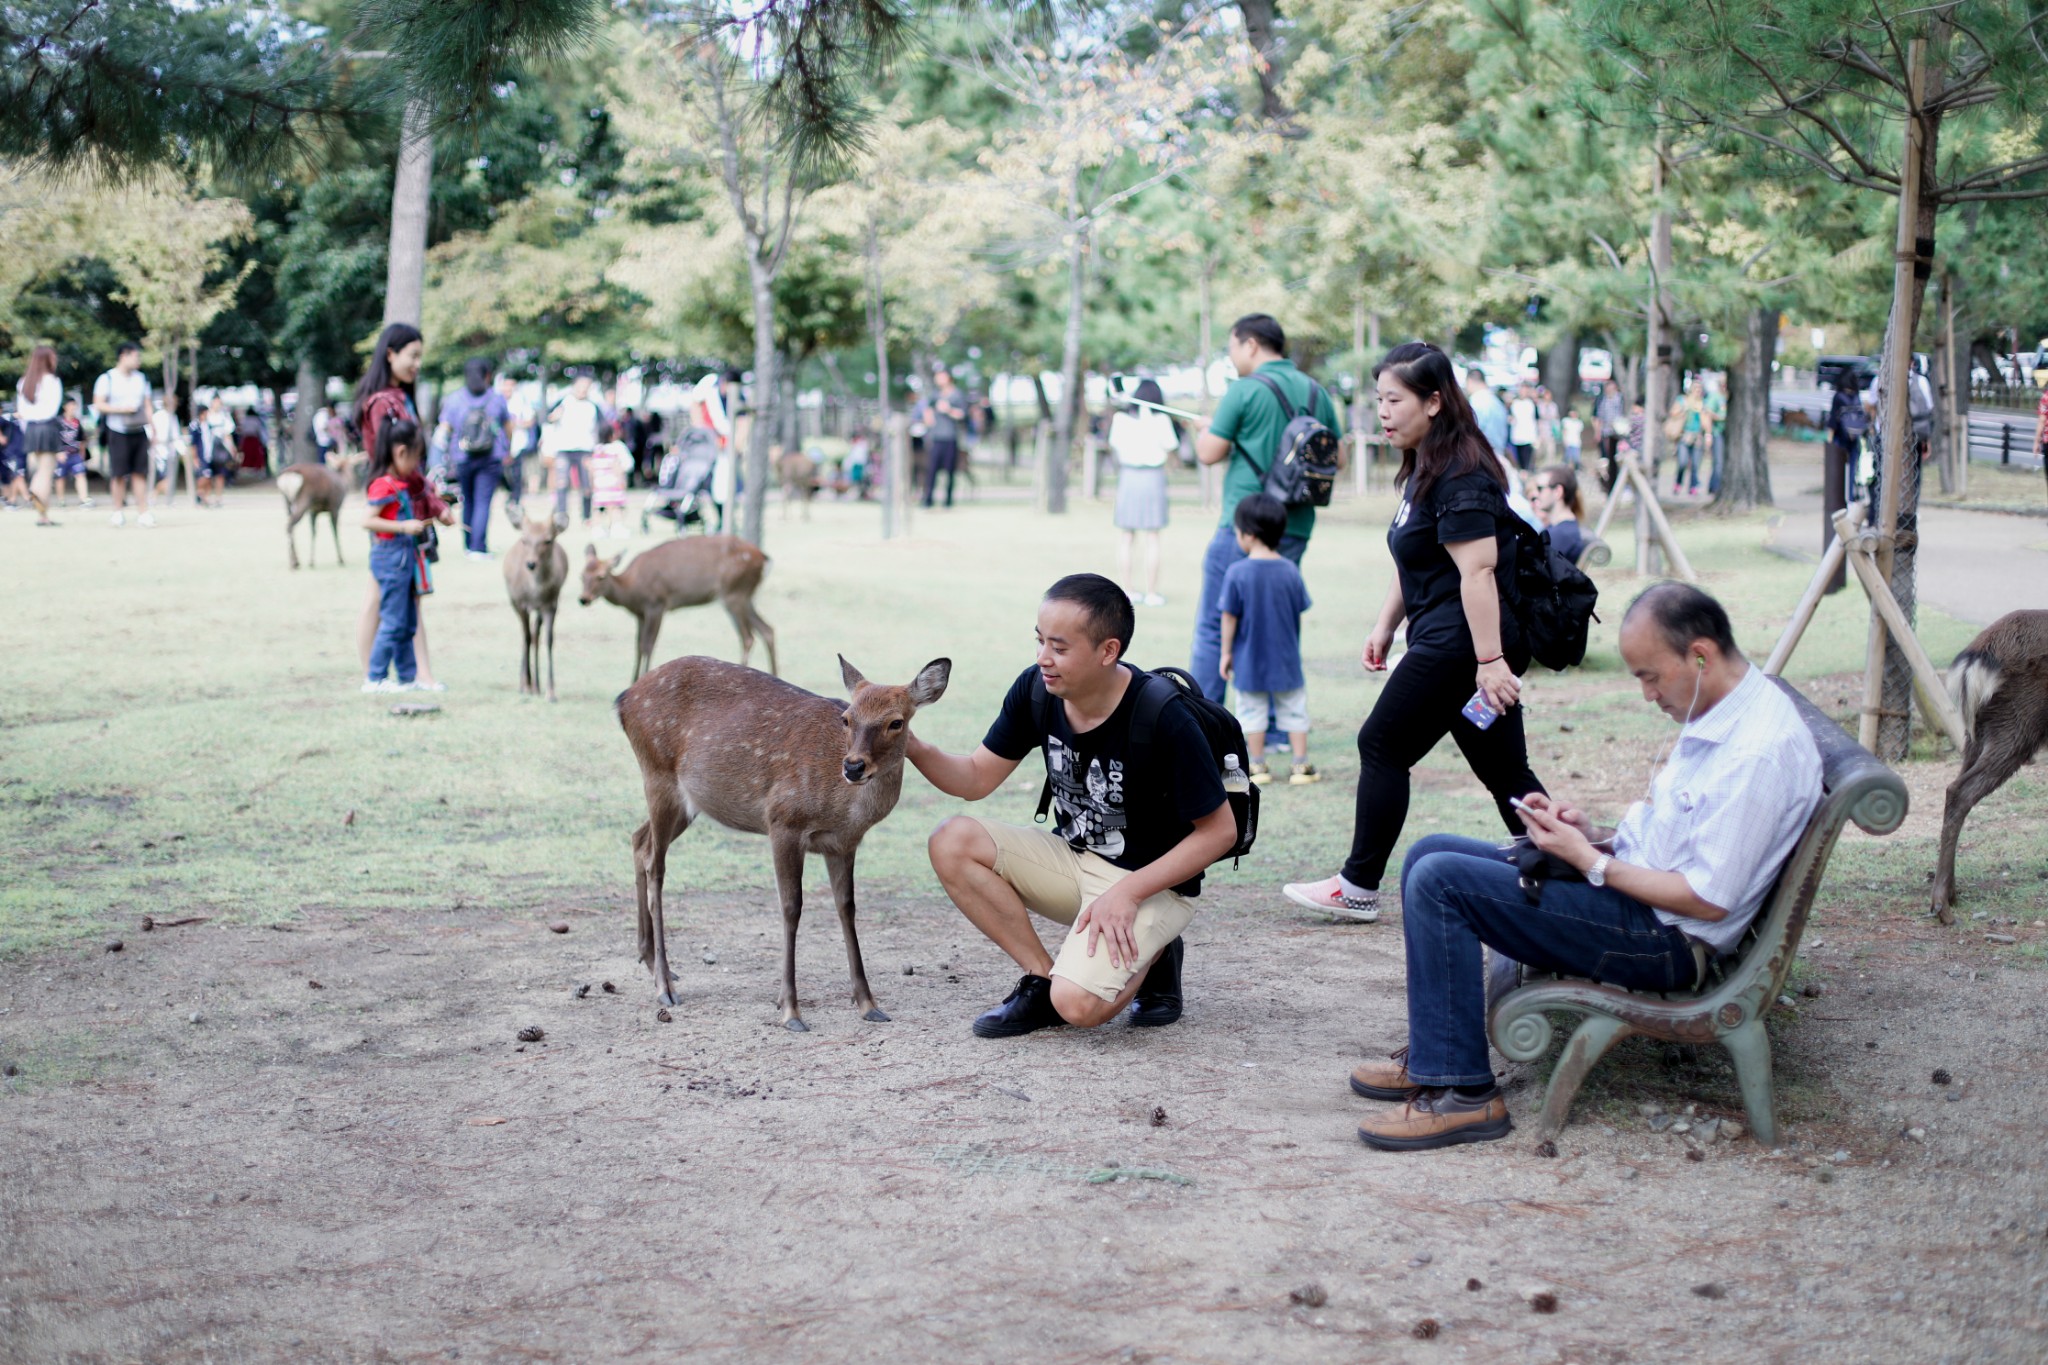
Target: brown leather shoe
x: 1438, y: 1118
x: 1387, y: 1080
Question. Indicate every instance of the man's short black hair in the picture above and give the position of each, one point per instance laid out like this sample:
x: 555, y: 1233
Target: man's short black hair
x: 1107, y: 607
x: 125, y: 347
x: 1683, y: 614
x: 1263, y: 517
x: 1262, y: 328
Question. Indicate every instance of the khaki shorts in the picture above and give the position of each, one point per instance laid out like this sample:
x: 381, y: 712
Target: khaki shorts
x: 1054, y: 880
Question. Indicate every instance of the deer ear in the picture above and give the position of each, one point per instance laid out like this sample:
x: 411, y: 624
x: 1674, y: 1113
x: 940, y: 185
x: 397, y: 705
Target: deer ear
x: 590, y: 552
x: 930, y: 683
x: 617, y: 560
x: 850, y: 675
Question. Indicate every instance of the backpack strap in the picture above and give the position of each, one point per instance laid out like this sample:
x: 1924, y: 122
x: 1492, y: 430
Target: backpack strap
x: 1041, y: 701
x: 1154, y: 691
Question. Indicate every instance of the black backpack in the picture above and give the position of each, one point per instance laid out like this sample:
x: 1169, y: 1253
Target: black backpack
x: 1303, y: 467
x: 478, y: 435
x: 1157, y: 688
x: 1551, y: 597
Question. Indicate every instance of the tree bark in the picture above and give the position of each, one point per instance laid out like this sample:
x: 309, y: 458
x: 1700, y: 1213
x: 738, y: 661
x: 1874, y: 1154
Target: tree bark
x: 311, y: 393
x: 895, y: 470
x: 1561, y: 369
x: 405, y: 277
x: 762, y: 404
x: 1064, y: 419
x: 1746, y: 473
x: 1657, y: 352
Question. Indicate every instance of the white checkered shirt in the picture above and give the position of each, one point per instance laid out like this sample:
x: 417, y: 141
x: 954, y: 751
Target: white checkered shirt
x: 1728, y: 807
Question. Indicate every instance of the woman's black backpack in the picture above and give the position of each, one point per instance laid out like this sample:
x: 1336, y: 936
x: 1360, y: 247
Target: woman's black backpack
x: 1552, y: 598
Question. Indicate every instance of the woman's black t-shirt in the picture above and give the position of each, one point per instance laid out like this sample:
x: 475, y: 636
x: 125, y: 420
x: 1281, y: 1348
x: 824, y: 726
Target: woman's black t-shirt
x: 1459, y: 508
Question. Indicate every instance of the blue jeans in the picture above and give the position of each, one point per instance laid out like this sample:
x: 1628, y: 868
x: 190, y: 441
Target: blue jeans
x: 1457, y: 894
x: 1207, y: 662
x: 1688, y: 461
x: 398, y: 610
x: 479, y: 481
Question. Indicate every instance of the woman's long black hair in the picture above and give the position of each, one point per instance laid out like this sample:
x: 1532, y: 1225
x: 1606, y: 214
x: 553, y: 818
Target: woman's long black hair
x: 1454, y: 444
x: 377, y: 377
x: 399, y: 431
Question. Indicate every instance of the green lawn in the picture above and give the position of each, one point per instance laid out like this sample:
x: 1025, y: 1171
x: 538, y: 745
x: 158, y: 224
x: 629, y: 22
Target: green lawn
x: 180, y: 731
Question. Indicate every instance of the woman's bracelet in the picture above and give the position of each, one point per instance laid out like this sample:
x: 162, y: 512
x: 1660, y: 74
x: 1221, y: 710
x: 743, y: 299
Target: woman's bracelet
x: 1494, y: 660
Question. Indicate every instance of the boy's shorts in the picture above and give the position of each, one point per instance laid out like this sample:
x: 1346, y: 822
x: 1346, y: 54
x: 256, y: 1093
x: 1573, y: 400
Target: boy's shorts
x: 1054, y: 880
x: 1290, y: 710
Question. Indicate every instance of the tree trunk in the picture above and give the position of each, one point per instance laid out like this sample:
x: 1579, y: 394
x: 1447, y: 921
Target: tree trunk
x: 1258, y: 31
x: 1746, y: 471
x: 1071, y: 405
x: 1656, y: 362
x: 754, y: 499
x: 311, y: 393
x: 895, y: 468
x: 406, y: 270
x: 1561, y: 369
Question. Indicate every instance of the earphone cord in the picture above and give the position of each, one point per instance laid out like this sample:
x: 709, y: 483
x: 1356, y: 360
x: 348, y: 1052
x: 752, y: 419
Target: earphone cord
x: 1649, y: 791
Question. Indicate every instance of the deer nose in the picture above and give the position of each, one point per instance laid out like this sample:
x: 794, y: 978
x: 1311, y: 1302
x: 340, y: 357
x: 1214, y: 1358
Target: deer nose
x: 855, y: 768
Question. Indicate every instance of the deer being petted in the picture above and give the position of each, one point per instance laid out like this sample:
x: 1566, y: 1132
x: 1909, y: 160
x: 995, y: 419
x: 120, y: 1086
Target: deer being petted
x: 758, y: 754
x: 685, y: 572
x: 535, y: 569
x: 309, y: 491
x: 2000, y: 687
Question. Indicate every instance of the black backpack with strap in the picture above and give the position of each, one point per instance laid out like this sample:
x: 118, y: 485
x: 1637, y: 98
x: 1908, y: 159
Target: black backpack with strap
x: 478, y: 434
x: 1302, y: 470
x: 1551, y: 597
x: 1157, y: 689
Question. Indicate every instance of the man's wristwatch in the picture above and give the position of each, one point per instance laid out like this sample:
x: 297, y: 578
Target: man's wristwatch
x: 1596, y: 875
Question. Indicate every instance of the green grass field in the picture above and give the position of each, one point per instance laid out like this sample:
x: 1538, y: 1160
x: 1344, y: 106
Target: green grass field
x: 180, y: 731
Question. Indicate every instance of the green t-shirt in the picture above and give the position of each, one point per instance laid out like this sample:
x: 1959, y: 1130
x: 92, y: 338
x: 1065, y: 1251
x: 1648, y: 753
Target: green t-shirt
x: 1250, y: 418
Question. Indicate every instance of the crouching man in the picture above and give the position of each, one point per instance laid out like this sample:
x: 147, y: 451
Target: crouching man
x: 1673, y: 886
x: 1135, y: 824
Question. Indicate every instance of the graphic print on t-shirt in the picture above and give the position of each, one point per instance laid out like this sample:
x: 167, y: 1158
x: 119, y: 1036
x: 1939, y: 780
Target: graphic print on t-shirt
x: 1090, y: 808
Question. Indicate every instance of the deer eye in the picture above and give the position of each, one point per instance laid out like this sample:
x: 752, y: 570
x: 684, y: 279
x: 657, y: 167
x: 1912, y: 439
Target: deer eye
x: 895, y: 725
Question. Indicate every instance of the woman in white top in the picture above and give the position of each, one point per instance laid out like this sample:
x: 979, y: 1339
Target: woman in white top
x: 40, y: 397
x: 575, y: 422
x: 1142, y: 438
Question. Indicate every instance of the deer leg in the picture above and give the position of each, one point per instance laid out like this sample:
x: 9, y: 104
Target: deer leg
x: 291, y: 543
x: 789, y: 881
x: 548, y: 618
x: 736, y: 608
x: 841, y: 868
x: 650, y: 631
x: 334, y: 525
x: 650, y: 870
x: 526, y: 670
x: 1985, y: 770
x: 767, y: 634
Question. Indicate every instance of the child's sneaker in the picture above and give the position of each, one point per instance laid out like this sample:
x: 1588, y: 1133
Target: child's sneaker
x: 1303, y: 775
x: 118, y: 519
x: 376, y: 685
x: 1261, y: 774
x: 1329, y: 896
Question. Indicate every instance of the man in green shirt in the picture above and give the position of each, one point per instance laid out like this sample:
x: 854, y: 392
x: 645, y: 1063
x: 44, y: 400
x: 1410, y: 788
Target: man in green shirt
x: 1246, y: 431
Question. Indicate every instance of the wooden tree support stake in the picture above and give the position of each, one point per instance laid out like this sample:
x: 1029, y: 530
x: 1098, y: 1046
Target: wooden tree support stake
x: 1660, y: 525
x: 1802, y: 615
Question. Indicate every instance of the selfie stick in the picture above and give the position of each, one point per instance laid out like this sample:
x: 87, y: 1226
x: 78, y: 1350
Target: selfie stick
x: 1161, y: 407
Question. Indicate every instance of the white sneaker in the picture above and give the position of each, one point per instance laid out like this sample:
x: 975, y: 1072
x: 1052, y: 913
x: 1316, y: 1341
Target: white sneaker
x: 118, y: 519
x: 87, y: 503
x: 475, y: 554
x: 146, y: 519
x: 1328, y: 896
x: 381, y: 685
x: 417, y: 686
x: 1153, y: 599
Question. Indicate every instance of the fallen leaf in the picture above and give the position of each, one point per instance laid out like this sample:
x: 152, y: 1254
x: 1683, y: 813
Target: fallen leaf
x: 486, y: 1121
x: 1310, y: 1296
x: 313, y: 985
x: 348, y: 819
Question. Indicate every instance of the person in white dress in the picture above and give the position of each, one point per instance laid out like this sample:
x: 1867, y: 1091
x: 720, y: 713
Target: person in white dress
x: 1142, y: 439
x: 39, y: 399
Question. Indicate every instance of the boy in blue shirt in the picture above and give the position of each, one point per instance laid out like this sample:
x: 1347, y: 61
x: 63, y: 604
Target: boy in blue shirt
x: 1263, y: 599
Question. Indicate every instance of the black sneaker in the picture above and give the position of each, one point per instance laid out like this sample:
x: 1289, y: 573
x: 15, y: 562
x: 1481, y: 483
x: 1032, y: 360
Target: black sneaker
x: 1024, y: 1010
x: 1157, y: 1002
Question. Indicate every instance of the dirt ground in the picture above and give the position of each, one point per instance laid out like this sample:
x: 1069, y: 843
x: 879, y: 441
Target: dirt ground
x: 219, y: 1161
x: 206, y: 1157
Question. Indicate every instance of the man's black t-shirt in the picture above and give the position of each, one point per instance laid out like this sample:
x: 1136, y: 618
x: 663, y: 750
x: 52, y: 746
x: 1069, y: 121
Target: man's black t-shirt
x: 1131, y: 812
x: 1459, y: 508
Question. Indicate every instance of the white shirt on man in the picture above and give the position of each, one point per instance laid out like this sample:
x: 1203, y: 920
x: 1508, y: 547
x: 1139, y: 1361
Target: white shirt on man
x: 1142, y: 440
x: 1727, y: 809
x: 123, y: 388
x: 44, y: 404
x: 575, y: 422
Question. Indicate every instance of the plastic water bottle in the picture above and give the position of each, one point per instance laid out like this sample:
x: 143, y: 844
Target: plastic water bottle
x: 1235, y: 780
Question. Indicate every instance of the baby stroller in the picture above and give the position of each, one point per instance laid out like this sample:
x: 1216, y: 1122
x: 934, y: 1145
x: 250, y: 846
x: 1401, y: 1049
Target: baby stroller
x: 682, y: 491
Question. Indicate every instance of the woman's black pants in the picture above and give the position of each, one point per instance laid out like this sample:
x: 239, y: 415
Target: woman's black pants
x: 1419, y: 705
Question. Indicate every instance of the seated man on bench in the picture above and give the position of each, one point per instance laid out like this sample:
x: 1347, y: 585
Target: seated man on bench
x: 1675, y: 884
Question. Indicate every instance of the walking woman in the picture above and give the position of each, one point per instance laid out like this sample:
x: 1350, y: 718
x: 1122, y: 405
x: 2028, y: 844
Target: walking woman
x: 39, y: 400
x: 1142, y: 439
x: 385, y: 393
x: 1453, y: 546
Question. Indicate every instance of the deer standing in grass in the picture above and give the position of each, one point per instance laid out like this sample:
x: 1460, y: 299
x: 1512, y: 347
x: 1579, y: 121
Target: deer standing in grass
x: 764, y: 756
x: 683, y: 573
x: 2000, y: 687
x: 310, y: 490
x: 535, y: 569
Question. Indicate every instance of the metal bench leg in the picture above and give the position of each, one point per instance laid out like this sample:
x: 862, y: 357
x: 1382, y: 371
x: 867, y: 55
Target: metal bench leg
x: 1588, y: 1044
x: 1750, y: 1048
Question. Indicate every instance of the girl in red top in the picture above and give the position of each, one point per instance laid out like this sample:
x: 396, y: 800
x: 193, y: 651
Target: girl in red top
x: 401, y: 505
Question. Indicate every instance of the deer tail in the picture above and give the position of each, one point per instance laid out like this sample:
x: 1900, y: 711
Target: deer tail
x: 289, y: 483
x: 1972, y: 680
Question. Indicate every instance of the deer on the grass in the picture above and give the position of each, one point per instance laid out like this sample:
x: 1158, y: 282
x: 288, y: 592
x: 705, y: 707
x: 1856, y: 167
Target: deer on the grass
x: 685, y: 572
x: 799, y: 475
x: 535, y: 569
x: 2000, y: 688
x: 758, y: 754
x: 309, y: 491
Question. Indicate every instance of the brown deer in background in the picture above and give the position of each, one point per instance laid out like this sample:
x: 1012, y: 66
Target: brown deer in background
x: 758, y: 754
x: 799, y: 475
x: 683, y: 573
x: 310, y: 490
x: 535, y: 569
x: 2000, y: 687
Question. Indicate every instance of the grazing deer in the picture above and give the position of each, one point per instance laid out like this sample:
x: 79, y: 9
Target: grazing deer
x: 309, y: 490
x: 535, y: 570
x: 683, y: 573
x: 2000, y: 687
x: 799, y: 475
x: 758, y: 754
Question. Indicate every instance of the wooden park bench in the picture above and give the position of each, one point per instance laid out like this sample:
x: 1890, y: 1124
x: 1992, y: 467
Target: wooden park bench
x: 1729, y: 1008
